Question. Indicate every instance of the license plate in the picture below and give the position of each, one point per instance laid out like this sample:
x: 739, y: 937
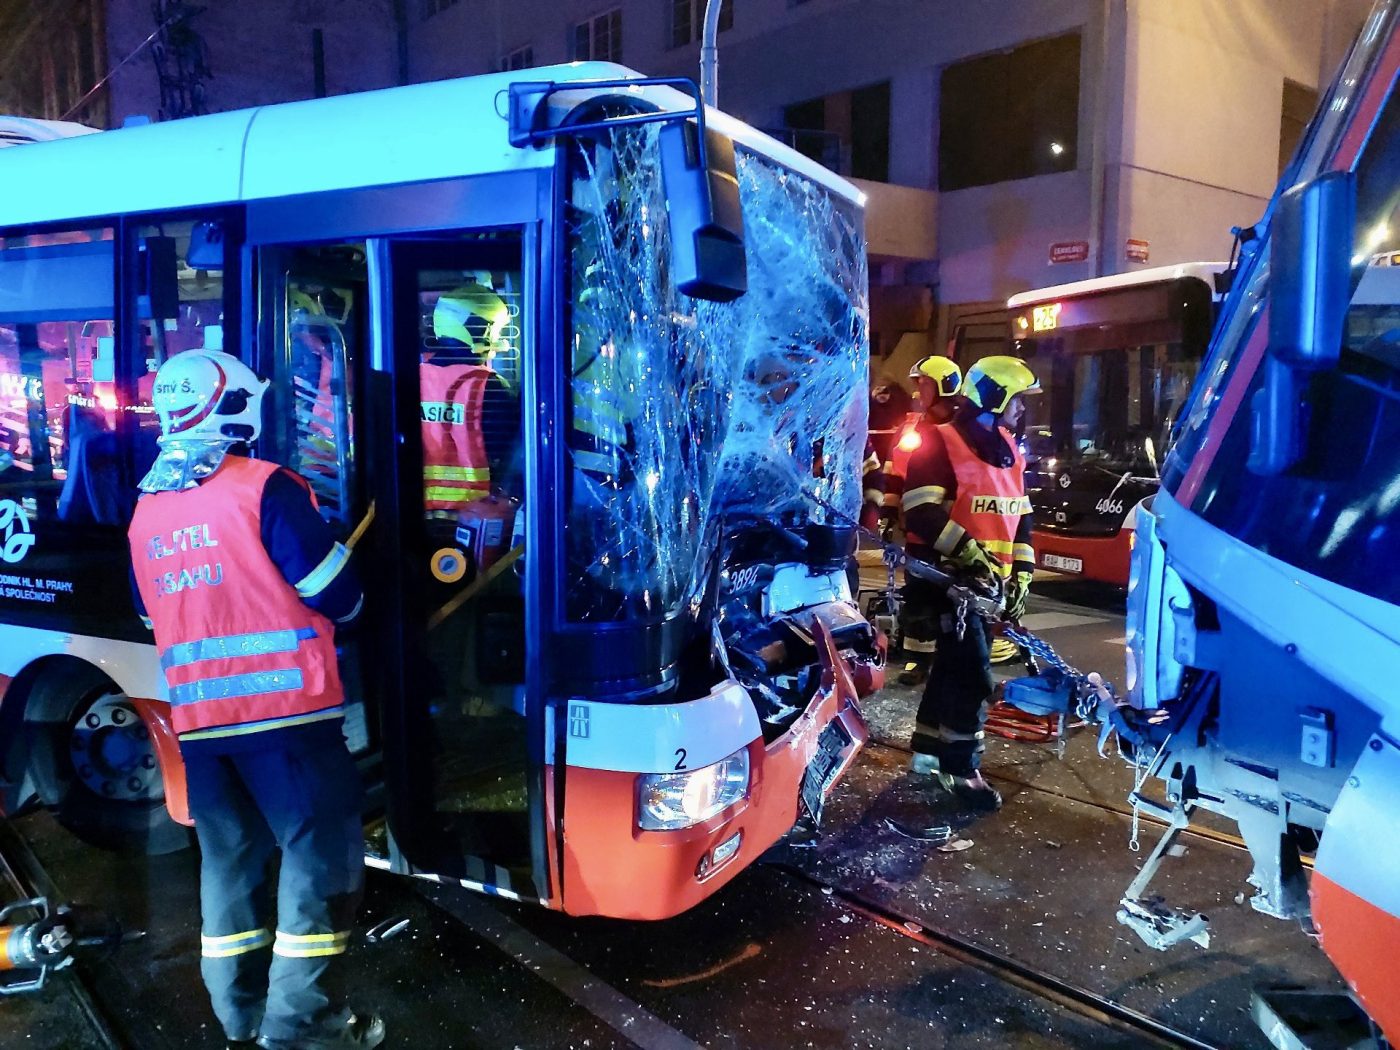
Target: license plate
x: 822, y: 769
x: 1056, y: 561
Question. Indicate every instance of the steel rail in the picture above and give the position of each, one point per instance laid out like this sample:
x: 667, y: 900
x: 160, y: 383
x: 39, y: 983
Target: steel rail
x: 26, y: 876
x: 1003, y: 967
x: 1223, y: 838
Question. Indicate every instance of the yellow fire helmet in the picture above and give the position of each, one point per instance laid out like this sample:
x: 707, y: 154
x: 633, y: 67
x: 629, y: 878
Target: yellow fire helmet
x: 941, y: 370
x: 992, y: 382
x: 473, y: 316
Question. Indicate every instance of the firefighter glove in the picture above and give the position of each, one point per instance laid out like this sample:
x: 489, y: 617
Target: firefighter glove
x: 889, y: 517
x: 976, y: 559
x: 1017, y: 590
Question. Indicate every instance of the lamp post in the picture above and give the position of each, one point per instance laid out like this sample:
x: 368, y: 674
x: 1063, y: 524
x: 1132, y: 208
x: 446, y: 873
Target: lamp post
x: 709, y: 54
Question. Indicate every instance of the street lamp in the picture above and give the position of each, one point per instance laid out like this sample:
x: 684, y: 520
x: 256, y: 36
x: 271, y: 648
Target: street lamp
x: 709, y: 55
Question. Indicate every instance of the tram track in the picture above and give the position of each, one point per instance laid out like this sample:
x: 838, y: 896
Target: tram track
x: 21, y: 871
x: 1223, y: 838
x: 1040, y: 983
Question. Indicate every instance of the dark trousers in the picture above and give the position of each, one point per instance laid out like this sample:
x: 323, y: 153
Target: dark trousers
x: 957, y: 694
x: 919, y: 610
x: 300, y: 796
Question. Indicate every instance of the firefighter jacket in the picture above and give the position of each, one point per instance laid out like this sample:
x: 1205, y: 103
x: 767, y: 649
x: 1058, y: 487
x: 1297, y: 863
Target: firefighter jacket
x: 912, y: 434
x: 455, y: 467
x: 965, y: 487
x: 241, y: 648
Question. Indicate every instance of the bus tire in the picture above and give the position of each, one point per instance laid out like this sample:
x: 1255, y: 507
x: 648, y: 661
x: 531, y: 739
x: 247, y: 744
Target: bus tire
x: 93, y: 763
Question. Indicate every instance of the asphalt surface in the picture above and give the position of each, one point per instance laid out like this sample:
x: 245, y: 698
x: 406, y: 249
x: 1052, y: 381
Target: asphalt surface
x: 821, y: 944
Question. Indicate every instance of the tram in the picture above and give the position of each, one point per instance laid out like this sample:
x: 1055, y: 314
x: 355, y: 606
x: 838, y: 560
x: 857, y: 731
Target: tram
x: 1264, y: 613
x: 609, y: 656
x: 1116, y: 357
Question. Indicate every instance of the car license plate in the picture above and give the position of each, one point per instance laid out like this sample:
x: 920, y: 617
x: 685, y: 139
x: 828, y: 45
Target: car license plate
x: 822, y: 769
x: 1056, y: 561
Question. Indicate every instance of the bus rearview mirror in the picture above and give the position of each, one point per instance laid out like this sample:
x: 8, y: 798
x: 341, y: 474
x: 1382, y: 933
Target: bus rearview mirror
x: 1310, y: 267
x: 706, y: 218
x: 206, y: 250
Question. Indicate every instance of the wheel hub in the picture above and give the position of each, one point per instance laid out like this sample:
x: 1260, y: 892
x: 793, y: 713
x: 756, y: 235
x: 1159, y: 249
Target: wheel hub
x: 112, y: 751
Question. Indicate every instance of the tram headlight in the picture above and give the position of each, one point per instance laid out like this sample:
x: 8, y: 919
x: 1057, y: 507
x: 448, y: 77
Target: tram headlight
x: 670, y: 801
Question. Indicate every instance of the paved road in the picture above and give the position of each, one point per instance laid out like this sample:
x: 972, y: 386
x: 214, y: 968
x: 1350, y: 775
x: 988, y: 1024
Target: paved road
x: 799, y: 951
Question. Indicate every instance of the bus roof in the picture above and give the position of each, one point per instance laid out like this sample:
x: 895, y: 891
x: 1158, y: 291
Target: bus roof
x: 418, y: 133
x: 15, y: 131
x: 1204, y: 271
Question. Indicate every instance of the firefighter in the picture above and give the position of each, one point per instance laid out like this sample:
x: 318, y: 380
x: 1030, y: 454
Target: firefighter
x: 965, y: 508
x: 936, y: 379
x: 470, y: 417
x: 872, y: 488
x: 243, y: 585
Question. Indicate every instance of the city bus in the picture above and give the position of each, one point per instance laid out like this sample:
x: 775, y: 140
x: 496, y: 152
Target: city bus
x: 1264, y: 611
x: 1115, y: 357
x: 609, y: 656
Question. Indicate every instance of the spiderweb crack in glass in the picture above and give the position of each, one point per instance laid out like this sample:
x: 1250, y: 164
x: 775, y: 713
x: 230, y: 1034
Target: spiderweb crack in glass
x: 687, y: 412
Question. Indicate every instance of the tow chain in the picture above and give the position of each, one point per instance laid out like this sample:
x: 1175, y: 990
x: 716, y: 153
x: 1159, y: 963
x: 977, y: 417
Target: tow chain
x: 1093, y: 695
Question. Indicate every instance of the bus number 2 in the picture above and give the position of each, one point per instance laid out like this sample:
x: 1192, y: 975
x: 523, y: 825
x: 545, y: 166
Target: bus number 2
x: 680, y: 758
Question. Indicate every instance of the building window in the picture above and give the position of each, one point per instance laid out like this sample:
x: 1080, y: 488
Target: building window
x: 1011, y: 115
x: 847, y: 131
x: 600, y: 38
x: 688, y: 20
x: 520, y: 58
x: 432, y: 7
x: 1299, y: 101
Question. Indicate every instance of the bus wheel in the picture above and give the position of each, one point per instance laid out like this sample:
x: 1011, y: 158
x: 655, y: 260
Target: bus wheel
x: 97, y: 765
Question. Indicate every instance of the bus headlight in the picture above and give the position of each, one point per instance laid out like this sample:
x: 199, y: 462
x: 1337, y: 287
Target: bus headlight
x: 670, y: 801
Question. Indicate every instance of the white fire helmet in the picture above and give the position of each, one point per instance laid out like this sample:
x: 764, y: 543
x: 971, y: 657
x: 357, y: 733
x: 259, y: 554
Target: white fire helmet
x: 208, y: 396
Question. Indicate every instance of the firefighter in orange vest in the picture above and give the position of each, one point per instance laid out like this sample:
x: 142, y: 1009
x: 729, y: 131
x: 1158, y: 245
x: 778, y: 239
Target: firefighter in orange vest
x: 243, y: 584
x: 965, y: 509
x: 470, y: 417
x: 936, y: 380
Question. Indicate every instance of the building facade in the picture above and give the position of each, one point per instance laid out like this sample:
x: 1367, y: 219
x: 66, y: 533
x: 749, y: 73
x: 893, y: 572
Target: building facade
x: 1003, y: 145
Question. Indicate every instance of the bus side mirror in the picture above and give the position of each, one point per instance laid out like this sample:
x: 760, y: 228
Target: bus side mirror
x: 1310, y: 266
x: 1310, y: 270
x: 706, y: 218
x: 206, y: 249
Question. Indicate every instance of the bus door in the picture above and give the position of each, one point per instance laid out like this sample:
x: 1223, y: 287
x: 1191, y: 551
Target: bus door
x: 313, y: 307
x: 462, y: 761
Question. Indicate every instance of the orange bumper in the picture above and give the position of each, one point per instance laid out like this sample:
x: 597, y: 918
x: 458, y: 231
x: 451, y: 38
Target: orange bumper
x: 1105, y: 558
x: 612, y: 867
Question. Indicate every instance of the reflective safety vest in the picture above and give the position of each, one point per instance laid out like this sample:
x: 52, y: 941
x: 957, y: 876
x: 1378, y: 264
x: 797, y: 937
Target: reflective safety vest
x: 455, y: 468
x: 599, y: 441
x: 240, y: 651
x: 990, y: 500
x: 910, y: 436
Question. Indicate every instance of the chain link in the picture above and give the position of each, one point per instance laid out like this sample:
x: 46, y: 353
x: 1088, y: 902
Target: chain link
x: 1087, y: 688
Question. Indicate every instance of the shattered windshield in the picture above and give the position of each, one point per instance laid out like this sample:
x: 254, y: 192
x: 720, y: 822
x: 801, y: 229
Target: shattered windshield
x: 685, y: 413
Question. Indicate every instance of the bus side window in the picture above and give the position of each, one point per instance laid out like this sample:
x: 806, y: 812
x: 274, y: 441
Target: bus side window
x: 58, y: 402
x: 194, y: 316
x: 314, y: 308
